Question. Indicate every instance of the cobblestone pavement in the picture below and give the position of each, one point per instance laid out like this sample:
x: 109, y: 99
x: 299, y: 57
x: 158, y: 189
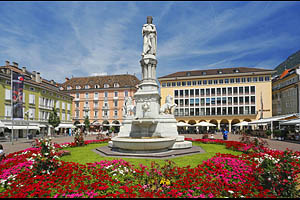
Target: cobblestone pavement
x: 24, y: 143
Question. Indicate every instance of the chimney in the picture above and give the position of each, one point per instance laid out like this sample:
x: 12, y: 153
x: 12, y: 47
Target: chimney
x: 52, y: 82
x: 24, y: 69
x: 38, y: 77
x: 15, y: 64
x: 7, y: 63
x: 67, y: 79
x: 33, y: 75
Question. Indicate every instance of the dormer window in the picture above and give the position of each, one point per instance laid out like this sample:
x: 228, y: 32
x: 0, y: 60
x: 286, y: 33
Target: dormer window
x: 236, y: 70
x: 220, y: 72
x: 188, y: 74
x: 116, y: 85
x: 106, y: 85
x: 69, y: 88
x: 61, y: 88
x: 97, y: 86
x: 203, y: 73
x: 86, y: 86
x: 78, y: 87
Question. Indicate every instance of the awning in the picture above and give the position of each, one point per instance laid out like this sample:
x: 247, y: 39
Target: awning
x: 23, y: 127
x: 66, y: 126
x: 42, y: 126
x: 2, y: 125
x: 243, y: 123
x: 275, y: 118
x: 291, y: 122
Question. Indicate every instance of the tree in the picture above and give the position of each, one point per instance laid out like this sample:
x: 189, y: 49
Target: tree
x: 54, y: 118
x: 87, y: 123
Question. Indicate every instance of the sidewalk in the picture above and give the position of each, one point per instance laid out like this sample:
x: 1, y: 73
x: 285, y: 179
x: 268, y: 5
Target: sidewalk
x: 23, y: 143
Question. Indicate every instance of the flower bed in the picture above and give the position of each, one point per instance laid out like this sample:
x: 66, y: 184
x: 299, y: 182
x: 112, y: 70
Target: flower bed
x: 259, y: 172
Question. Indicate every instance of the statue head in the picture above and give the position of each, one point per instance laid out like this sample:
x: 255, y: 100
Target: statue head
x: 149, y: 20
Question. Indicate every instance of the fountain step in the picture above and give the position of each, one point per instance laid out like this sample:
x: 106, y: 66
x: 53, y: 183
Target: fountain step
x: 181, y: 145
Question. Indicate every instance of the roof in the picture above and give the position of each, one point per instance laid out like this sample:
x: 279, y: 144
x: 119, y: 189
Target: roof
x: 284, y: 73
x: 124, y: 80
x: 216, y: 72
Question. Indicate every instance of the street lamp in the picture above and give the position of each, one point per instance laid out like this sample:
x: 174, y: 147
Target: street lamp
x: 27, y: 115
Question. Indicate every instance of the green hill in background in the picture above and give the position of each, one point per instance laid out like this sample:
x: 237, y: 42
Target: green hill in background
x: 290, y: 62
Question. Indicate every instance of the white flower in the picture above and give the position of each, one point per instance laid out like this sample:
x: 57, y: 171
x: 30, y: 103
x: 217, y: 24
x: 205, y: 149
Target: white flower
x: 230, y: 191
x: 289, y: 177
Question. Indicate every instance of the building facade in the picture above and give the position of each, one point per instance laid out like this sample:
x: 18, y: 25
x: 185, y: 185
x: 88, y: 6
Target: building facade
x: 285, y: 92
x: 223, y: 97
x: 39, y: 97
x: 101, y: 98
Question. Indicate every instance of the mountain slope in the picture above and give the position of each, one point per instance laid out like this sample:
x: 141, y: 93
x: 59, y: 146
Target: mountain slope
x: 290, y: 62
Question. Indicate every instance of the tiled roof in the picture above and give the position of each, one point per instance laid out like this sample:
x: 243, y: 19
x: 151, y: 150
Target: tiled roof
x: 216, y: 72
x: 284, y: 73
x: 124, y: 80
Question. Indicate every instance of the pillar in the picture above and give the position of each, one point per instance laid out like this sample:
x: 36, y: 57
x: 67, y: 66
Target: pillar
x: 229, y: 125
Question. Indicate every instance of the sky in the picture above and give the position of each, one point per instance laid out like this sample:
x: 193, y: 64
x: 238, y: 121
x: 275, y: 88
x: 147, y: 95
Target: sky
x: 78, y: 39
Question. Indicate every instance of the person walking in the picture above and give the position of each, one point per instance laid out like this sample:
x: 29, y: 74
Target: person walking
x: 2, y: 154
x: 225, y: 134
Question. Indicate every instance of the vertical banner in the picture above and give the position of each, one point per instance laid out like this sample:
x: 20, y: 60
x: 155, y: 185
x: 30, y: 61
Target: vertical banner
x: 17, y: 95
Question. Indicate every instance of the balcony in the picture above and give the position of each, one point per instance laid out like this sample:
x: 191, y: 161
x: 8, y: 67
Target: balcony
x: 86, y: 108
x: 105, y: 107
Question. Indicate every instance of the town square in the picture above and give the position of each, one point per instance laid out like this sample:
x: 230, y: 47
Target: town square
x: 150, y: 100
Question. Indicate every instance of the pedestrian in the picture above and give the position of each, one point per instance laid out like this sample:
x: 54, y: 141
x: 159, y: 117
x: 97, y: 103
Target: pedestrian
x: 225, y: 134
x: 2, y: 154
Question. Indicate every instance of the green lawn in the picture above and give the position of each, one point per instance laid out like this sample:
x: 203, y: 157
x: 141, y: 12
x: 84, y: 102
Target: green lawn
x: 85, y: 155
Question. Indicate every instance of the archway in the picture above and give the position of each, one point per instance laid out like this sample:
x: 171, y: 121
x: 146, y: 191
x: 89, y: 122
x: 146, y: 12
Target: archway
x: 116, y: 126
x: 213, y: 128
x: 192, y: 129
x: 105, y: 125
x: 181, y: 129
x: 224, y: 124
x: 234, y: 128
x: 202, y: 129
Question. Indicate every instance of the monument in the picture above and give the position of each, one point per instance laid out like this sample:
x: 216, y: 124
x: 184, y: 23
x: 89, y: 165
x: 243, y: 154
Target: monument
x: 148, y: 126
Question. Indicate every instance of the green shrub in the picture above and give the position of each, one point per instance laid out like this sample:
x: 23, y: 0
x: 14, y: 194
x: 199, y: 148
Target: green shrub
x: 268, y: 132
x: 277, y: 133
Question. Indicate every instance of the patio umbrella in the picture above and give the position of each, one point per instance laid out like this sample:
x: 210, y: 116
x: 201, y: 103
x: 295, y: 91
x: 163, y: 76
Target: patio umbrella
x: 182, y: 124
x: 244, y: 123
x: 80, y: 125
x: 204, y: 124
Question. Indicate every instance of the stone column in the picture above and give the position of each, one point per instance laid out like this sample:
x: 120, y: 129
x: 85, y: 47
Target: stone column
x: 229, y: 125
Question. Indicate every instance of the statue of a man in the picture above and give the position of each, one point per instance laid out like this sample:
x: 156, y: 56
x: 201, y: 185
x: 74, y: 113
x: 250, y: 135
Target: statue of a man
x: 150, y: 39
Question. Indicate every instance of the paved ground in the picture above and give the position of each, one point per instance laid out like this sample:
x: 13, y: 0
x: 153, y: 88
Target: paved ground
x: 24, y: 143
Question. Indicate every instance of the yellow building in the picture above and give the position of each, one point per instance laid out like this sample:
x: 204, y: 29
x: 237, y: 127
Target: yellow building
x: 223, y: 97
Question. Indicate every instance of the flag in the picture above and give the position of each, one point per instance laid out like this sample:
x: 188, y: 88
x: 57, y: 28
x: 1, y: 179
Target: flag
x: 17, y: 95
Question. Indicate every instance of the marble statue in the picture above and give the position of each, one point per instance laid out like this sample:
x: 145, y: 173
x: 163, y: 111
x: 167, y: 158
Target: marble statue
x: 128, y: 107
x: 150, y: 39
x: 168, y: 106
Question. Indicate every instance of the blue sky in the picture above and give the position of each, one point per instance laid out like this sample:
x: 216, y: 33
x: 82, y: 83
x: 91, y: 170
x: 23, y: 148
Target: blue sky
x: 64, y: 39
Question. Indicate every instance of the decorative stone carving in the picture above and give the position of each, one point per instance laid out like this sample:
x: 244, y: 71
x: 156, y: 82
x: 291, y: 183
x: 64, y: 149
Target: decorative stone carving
x: 167, y: 108
x: 128, y: 107
x: 150, y: 39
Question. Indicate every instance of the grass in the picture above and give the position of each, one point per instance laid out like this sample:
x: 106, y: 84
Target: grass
x: 85, y: 155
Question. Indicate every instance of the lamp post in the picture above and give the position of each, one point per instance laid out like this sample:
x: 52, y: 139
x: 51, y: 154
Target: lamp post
x: 27, y: 115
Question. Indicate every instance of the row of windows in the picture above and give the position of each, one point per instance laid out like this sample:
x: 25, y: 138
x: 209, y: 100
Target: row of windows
x: 96, y: 104
x: 241, y: 110
x: 216, y: 81
x: 95, y: 86
x: 215, y: 91
x: 105, y: 94
x: 105, y: 113
x: 215, y: 101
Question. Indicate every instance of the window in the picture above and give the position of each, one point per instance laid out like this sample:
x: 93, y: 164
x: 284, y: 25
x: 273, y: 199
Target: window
x: 106, y: 85
x: 254, y: 79
x: 252, y: 89
x: 191, y: 92
x: 77, y: 95
x: 192, y: 102
x: 202, y: 92
x: 63, y: 105
x: 106, y: 94
x: 178, y: 83
x: 189, y: 83
x: 116, y: 85
x: 247, y: 100
x: 116, y: 103
x: 97, y: 86
x: 224, y: 111
x: 86, y: 95
x: 95, y: 114
x: 252, y: 99
x: 235, y: 90
x: 173, y: 84
x: 77, y: 87
x: 247, y: 90
x: 86, y: 104
x: 243, y: 80
x: 7, y: 111
x: 253, y: 110
x: 96, y: 104
x: 181, y: 93
x: 163, y: 85
x: 199, y: 82
x: 194, y: 82
x: 224, y: 91
x: 175, y: 93
x: 267, y: 78
x: 86, y: 86
x: 226, y: 80
x: 186, y: 102
x: 197, y: 92
x: 235, y: 100
x: 213, y: 111
x: 116, y: 94
x: 197, y: 101
x: 241, y: 100
x: 209, y: 82
x: 31, y: 98
x: 229, y: 90
x: 207, y: 91
x: 213, y: 91
x: 219, y: 101
x: 232, y: 80
x: 215, y: 81
x: 261, y: 78
x: 183, y: 83
x: 96, y: 95
x: 126, y: 93
x: 224, y: 100
x: 213, y: 101
x: 247, y: 110
x: 220, y: 81
x: 218, y: 91
x: 77, y: 104
x: 249, y: 79
x: 229, y: 110
x: 235, y: 110
x: 69, y: 88
x: 32, y: 89
x: 241, y: 110
x: 218, y: 111
x: 168, y: 84
x: 241, y: 90
x: 207, y: 111
x: 204, y: 82
x: 207, y: 101
x: 115, y: 113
